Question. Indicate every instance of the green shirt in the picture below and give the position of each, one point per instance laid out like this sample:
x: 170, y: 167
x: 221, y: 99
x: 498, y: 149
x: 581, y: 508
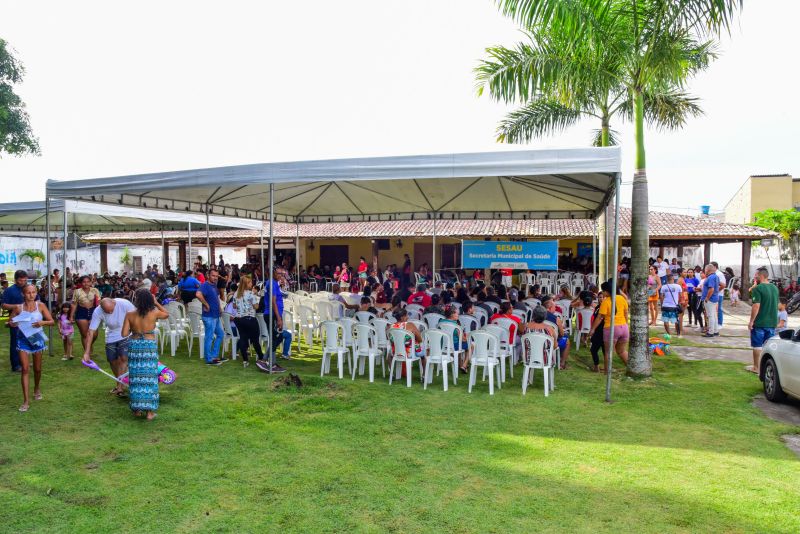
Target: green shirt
x: 766, y: 295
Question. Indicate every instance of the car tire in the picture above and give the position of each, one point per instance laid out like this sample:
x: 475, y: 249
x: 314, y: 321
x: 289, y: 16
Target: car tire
x: 772, y: 382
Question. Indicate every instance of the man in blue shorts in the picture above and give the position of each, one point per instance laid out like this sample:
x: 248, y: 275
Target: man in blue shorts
x: 763, y: 314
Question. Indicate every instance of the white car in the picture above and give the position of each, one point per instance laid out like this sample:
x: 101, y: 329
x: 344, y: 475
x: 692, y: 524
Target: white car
x: 780, y: 366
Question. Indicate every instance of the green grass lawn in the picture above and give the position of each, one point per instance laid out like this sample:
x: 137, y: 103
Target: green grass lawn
x: 683, y: 452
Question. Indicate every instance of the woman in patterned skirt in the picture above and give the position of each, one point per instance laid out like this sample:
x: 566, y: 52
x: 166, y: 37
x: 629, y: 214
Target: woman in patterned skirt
x: 143, y: 353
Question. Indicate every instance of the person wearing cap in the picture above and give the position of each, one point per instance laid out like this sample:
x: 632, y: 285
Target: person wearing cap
x: 421, y: 297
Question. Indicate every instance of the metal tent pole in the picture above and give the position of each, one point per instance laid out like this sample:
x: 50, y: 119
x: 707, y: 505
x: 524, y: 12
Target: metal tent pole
x: 208, y: 243
x: 610, y: 347
x: 47, y: 263
x: 433, y: 266
x: 608, y: 236
x: 594, y: 251
x: 74, y: 235
x: 64, y: 260
x: 271, y: 265
x: 297, y: 253
x: 262, y: 256
x: 189, y: 263
x: 163, y: 260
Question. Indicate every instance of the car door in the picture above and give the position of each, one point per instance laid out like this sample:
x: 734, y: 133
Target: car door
x: 789, y: 367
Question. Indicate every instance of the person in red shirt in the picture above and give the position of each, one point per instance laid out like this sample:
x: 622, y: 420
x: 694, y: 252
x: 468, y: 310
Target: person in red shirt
x: 506, y: 275
x: 362, y: 272
x: 420, y: 297
x: 505, y: 313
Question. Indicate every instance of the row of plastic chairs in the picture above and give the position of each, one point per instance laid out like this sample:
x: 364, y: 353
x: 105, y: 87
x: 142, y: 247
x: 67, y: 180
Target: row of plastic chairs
x: 360, y: 344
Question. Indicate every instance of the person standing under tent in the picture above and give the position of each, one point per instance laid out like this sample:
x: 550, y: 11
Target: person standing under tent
x: 275, y: 310
x: 763, y: 314
x: 139, y: 326
x: 615, y: 329
x: 188, y: 286
x: 13, y: 297
x: 212, y: 324
x: 362, y: 271
x: 112, y: 312
x: 245, y: 303
x: 33, y: 344
x: 506, y: 276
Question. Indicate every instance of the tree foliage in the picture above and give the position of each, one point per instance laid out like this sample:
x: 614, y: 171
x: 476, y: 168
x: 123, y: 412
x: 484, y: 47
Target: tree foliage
x: 558, y: 81
x: 785, y: 223
x: 16, y: 136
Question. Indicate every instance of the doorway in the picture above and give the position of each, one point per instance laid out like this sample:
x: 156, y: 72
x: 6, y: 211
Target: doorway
x: 333, y: 255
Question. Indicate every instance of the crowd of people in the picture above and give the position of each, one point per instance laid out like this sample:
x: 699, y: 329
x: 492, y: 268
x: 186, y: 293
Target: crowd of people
x: 130, y: 306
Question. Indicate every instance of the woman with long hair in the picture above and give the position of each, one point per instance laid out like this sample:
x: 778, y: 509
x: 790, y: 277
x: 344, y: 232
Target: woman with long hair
x: 84, y: 300
x: 653, y: 290
x: 36, y: 315
x: 140, y: 325
x: 245, y: 303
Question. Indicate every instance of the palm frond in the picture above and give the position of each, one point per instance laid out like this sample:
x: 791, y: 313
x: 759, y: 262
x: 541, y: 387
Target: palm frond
x: 666, y: 109
x: 597, y: 136
x: 537, y: 119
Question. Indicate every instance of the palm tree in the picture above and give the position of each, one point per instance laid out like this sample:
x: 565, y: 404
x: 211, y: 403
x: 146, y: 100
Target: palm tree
x: 658, y: 52
x: 559, y: 87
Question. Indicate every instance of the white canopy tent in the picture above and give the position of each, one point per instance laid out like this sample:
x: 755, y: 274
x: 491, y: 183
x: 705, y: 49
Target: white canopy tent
x: 557, y: 183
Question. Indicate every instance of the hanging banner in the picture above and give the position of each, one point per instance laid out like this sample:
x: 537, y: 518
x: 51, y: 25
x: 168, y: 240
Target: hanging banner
x: 536, y: 255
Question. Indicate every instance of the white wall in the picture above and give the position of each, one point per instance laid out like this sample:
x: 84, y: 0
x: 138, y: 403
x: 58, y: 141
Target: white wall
x: 87, y: 260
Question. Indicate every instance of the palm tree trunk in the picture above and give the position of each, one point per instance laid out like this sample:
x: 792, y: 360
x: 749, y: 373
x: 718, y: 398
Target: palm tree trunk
x: 639, y: 363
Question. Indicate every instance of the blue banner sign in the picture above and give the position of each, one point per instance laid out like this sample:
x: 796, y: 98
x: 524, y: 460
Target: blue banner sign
x: 537, y: 255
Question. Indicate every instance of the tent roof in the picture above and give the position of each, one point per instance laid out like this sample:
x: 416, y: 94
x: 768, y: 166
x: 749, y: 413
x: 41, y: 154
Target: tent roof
x: 92, y: 217
x: 560, y: 183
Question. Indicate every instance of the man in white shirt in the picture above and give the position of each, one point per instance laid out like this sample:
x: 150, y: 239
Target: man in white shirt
x: 111, y: 312
x: 723, y: 283
x: 662, y: 268
x: 670, y: 304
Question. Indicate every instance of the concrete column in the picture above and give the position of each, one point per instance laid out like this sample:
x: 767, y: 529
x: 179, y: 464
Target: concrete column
x: 706, y: 253
x: 680, y: 255
x: 165, y: 256
x: 745, y: 285
x: 182, y: 255
x: 213, y: 259
x: 103, y: 257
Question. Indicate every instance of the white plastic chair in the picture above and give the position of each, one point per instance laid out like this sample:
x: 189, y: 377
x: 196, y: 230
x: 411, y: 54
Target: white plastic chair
x: 438, y: 354
x: 468, y: 323
x: 307, y: 326
x: 583, y: 325
x: 538, y: 354
x: 381, y: 325
x: 523, y: 316
x: 504, y: 353
x: 415, y: 308
x: 453, y: 330
x: 333, y: 343
x: 176, y: 332
x: 432, y: 319
x: 365, y: 317
x: 556, y: 349
x: 347, y: 324
x: 481, y: 315
x: 196, y: 331
x: 485, y: 349
x: 495, y: 307
x: 229, y: 337
x: 365, y: 350
x: 402, y: 354
x: 263, y: 334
